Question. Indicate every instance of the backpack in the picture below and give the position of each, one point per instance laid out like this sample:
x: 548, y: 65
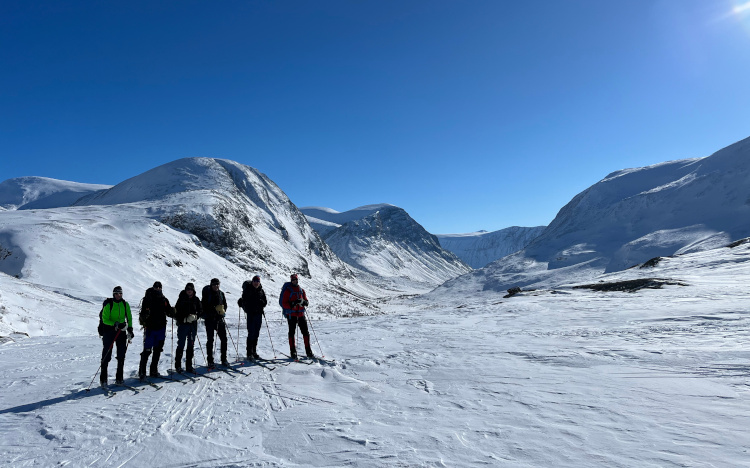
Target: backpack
x: 286, y: 286
x: 100, y: 328
x: 143, y: 315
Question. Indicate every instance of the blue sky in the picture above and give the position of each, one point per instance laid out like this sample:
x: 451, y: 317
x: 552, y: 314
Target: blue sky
x: 469, y: 115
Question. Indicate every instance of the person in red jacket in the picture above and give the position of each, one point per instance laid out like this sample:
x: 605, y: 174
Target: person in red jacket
x: 293, y: 303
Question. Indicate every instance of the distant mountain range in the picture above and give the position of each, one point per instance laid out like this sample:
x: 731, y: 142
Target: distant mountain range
x: 30, y: 193
x: 478, y: 249
x: 197, y: 218
x: 386, y: 242
x: 185, y: 221
x: 629, y: 217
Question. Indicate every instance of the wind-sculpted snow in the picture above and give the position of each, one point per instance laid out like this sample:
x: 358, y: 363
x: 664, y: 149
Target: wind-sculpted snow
x: 633, y: 215
x: 389, y: 244
x: 480, y: 248
x: 548, y: 378
x: 29, y: 193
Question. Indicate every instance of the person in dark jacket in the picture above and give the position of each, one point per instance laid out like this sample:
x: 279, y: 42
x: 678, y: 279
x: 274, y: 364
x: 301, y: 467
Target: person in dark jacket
x: 187, y: 310
x: 115, y: 326
x: 293, y: 303
x: 155, y: 309
x: 214, y: 305
x: 253, y: 301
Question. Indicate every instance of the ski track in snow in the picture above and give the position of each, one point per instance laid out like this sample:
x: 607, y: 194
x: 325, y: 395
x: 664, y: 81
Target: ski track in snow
x: 659, y: 378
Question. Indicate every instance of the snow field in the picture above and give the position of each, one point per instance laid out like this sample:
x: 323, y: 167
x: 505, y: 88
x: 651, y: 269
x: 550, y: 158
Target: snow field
x: 574, y: 378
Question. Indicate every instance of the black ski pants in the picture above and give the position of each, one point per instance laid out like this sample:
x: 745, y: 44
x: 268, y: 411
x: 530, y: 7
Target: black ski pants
x: 219, y: 327
x: 108, y: 340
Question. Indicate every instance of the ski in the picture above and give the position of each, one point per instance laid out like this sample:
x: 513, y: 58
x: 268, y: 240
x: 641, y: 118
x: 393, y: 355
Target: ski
x: 184, y: 374
x: 296, y: 359
x: 259, y: 363
x: 230, y: 369
x: 158, y: 387
x: 205, y: 374
x: 322, y: 361
x: 124, y: 385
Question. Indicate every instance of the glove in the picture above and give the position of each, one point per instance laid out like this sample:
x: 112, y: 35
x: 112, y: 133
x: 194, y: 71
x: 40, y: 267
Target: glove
x: 304, y: 303
x: 296, y: 302
x: 121, y: 326
x: 130, y: 333
x: 191, y: 318
x: 171, y: 312
x: 100, y: 329
x: 239, y: 302
x: 220, y: 310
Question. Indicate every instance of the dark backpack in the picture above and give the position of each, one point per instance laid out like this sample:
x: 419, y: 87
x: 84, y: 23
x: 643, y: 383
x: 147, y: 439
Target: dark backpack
x: 143, y: 315
x: 100, y: 328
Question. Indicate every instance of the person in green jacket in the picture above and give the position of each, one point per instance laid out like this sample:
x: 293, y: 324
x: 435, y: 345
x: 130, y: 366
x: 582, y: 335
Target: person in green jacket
x: 116, y: 326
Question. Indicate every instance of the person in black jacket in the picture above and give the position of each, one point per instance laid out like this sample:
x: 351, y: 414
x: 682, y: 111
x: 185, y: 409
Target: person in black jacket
x: 214, y: 305
x: 253, y: 301
x: 187, y: 310
x: 153, y: 317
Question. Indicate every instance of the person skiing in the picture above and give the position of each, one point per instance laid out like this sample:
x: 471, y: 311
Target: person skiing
x: 187, y: 310
x: 153, y: 317
x: 214, y: 305
x: 253, y: 301
x: 115, y: 326
x: 293, y: 302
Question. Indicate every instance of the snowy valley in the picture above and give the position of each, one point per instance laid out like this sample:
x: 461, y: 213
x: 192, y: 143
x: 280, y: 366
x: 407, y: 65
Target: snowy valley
x: 425, y: 363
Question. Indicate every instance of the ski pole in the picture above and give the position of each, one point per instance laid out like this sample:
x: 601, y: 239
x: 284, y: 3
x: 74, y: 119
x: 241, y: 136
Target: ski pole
x: 232, y: 338
x: 269, y: 334
x: 316, y: 338
x: 100, y: 362
x: 173, y: 344
x: 197, y: 337
x: 239, y: 321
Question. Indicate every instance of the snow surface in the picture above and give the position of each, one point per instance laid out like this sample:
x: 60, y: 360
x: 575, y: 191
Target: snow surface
x: 563, y: 378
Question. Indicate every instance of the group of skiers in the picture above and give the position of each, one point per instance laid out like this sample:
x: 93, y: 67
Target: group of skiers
x: 116, y: 323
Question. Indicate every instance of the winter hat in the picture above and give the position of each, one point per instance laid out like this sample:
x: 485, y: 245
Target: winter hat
x: 294, y: 276
x: 190, y: 287
x: 256, y: 277
x: 157, y: 284
x: 118, y: 289
x: 215, y: 281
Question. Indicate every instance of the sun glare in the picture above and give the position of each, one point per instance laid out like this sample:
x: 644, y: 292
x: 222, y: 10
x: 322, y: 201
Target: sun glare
x: 742, y: 8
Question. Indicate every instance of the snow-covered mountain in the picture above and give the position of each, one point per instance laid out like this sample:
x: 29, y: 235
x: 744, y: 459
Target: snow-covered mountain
x: 325, y: 220
x: 29, y: 193
x: 388, y: 243
x: 631, y: 216
x: 477, y: 249
x: 189, y: 220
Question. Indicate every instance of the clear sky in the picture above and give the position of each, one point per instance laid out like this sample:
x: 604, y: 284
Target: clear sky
x: 468, y: 114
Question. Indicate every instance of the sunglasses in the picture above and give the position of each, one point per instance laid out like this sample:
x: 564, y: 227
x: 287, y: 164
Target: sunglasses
x: 117, y: 294
x: 256, y: 281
